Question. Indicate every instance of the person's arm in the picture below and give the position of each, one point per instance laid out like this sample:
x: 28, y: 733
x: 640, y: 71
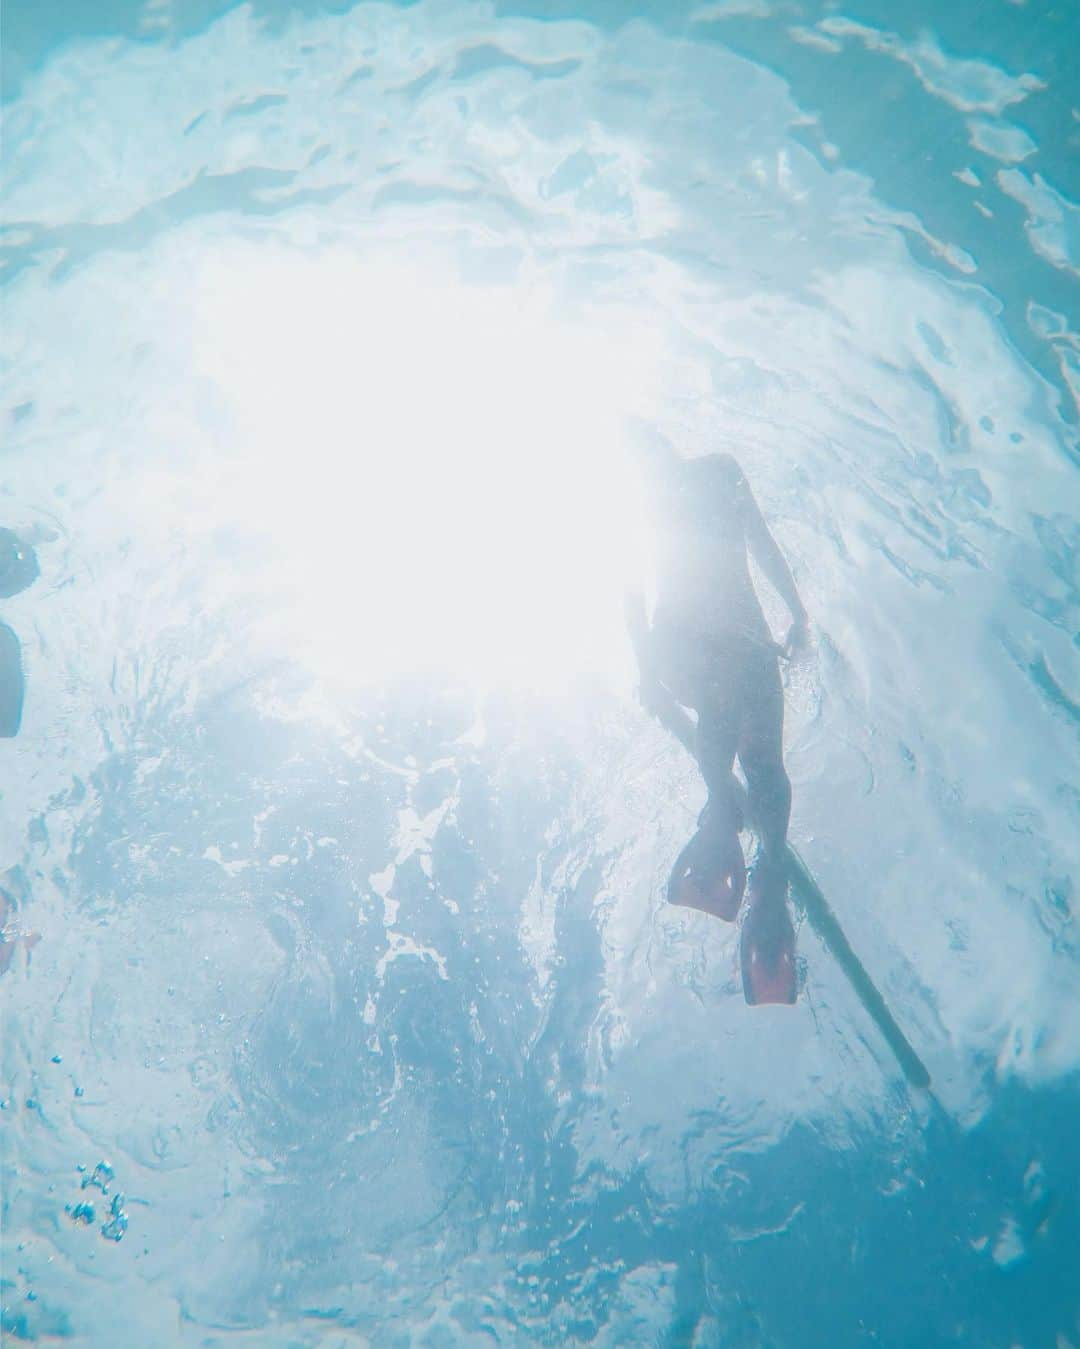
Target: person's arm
x: 771, y: 560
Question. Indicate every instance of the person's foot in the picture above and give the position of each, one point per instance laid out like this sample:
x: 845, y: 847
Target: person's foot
x: 767, y: 946
x: 710, y: 872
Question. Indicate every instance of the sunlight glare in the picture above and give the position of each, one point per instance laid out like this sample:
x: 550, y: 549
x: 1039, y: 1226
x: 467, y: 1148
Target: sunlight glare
x: 437, y: 466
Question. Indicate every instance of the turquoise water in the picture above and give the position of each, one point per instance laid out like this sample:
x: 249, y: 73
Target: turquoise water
x: 342, y: 1004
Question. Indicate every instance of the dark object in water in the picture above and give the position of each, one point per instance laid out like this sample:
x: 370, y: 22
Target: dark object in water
x: 12, y: 683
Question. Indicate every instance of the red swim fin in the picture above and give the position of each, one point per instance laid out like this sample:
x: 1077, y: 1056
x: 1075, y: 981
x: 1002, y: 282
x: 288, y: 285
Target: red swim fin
x: 709, y: 874
x: 767, y: 945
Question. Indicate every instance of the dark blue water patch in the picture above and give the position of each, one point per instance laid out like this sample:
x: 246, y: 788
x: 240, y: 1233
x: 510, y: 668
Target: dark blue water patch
x: 916, y: 576
x: 28, y: 1320
x: 408, y: 193
x: 360, y: 75
x: 911, y: 145
x: 33, y: 33
x: 966, y: 490
x: 251, y: 107
x: 896, y: 1238
x: 487, y: 57
x: 934, y: 342
x: 575, y: 171
x: 1052, y: 690
x: 416, y: 88
x: 247, y: 192
x: 1055, y: 909
x: 1060, y: 539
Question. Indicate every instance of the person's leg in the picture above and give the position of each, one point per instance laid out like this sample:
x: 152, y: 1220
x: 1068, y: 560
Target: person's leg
x: 768, y: 938
x: 701, y: 677
x: 761, y: 755
x: 717, y: 741
x: 710, y: 872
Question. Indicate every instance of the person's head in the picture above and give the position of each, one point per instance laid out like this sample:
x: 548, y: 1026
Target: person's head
x: 18, y: 564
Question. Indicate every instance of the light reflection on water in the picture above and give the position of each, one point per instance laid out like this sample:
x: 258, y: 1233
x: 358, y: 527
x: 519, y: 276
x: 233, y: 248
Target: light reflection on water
x: 339, y: 834
x: 433, y: 469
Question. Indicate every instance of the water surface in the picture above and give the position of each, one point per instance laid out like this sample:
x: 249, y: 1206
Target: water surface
x: 332, y: 811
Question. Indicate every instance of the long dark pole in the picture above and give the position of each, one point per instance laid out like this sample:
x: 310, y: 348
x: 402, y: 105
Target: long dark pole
x: 819, y: 915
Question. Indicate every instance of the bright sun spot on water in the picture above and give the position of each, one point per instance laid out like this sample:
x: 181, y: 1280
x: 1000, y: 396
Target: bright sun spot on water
x: 438, y: 467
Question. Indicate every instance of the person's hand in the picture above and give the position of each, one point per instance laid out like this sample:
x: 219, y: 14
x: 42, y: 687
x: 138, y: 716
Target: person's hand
x: 798, y: 638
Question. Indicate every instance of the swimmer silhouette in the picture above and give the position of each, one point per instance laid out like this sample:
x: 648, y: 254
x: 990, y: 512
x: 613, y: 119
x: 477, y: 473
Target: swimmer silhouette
x: 18, y: 569
x: 709, y: 649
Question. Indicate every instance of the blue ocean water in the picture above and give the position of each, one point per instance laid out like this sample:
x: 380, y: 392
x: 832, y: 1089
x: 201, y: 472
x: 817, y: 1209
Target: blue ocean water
x: 340, y: 1001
